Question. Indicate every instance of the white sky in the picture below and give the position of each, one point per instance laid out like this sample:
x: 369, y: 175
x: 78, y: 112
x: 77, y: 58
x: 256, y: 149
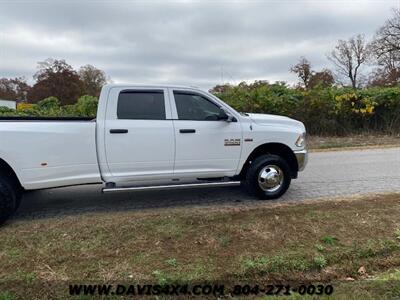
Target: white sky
x: 198, y: 43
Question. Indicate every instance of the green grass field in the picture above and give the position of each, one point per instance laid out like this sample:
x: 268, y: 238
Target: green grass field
x: 293, y: 243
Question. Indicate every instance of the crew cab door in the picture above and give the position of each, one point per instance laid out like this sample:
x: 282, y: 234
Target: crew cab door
x: 205, y: 145
x: 139, y: 135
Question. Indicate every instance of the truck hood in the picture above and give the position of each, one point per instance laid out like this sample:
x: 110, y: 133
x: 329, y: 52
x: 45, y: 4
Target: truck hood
x: 267, y: 119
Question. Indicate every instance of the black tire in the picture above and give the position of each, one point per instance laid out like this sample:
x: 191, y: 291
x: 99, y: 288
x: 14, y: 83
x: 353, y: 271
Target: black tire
x: 8, y: 199
x: 18, y: 198
x: 251, y: 183
x: 19, y: 191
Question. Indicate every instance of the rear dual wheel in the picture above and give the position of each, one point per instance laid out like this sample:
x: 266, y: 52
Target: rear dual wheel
x: 10, y: 198
x: 267, y: 177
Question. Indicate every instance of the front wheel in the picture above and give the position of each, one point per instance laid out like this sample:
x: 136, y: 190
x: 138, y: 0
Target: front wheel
x: 268, y: 177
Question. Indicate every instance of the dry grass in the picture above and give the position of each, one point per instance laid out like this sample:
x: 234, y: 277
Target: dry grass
x: 319, y: 241
x: 352, y: 141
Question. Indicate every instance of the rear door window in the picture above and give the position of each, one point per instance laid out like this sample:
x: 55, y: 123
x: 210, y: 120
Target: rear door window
x: 141, y: 105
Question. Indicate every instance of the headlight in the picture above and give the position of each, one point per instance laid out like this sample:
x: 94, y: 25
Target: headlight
x: 301, y: 140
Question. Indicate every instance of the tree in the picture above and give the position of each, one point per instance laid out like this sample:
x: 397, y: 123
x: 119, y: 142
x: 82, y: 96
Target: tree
x: 384, y: 77
x: 323, y: 78
x: 348, y: 56
x: 56, y: 78
x: 385, y: 49
x: 386, y: 43
x: 303, y: 71
x: 93, y: 80
x: 219, y: 89
x: 13, y: 89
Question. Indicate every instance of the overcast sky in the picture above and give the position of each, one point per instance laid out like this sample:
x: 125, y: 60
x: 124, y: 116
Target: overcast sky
x: 200, y: 43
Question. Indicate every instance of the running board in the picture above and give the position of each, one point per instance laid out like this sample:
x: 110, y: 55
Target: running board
x: 171, y: 186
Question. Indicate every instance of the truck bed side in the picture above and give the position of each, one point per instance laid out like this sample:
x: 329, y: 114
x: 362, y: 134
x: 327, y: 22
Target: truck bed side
x: 50, y: 153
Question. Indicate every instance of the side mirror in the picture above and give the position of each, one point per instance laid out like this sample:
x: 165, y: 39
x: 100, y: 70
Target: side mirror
x: 226, y: 116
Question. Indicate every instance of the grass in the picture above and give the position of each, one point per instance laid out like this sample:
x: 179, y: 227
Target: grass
x: 383, y: 286
x: 329, y: 240
x: 351, y: 141
x: 293, y: 243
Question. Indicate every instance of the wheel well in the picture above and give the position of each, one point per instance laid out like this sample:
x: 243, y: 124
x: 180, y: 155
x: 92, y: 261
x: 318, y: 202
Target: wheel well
x: 273, y: 148
x: 6, y: 170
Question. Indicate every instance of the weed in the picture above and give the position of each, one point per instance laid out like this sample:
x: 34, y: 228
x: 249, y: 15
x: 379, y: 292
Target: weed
x: 278, y: 263
x: 6, y: 296
x: 250, y: 263
x: 27, y: 277
x: 367, y: 250
x: 397, y: 233
x: 139, y: 258
x: 395, y: 275
x: 162, y: 279
x: 172, y: 262
x: 329, y: 240
x: 320, y: 261
x: 200, y: 271
x: 319, y: 247
x: 224, y: 240
x: 14, y: 253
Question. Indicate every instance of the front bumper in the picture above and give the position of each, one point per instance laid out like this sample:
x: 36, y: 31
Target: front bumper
x: 302, y: 158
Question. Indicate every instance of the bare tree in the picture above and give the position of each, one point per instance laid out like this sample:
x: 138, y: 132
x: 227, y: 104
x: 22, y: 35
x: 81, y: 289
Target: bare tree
x: 384, y: 77
x: 348, y: 56
x: 386, y: 44
x: 385, y: 49
x: 303, y: 71
x: 14, y: 89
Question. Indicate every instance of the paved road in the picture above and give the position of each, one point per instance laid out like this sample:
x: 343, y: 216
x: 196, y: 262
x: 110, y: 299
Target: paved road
x: 328, y: 174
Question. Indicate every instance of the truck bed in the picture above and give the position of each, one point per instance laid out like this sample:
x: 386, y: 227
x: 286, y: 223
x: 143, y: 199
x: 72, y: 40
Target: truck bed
x: 42, y: 118
x: 50, y: 152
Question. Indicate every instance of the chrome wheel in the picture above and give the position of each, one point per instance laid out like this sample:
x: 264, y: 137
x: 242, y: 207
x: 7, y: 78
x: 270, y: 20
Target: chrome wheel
x: 270, y: 178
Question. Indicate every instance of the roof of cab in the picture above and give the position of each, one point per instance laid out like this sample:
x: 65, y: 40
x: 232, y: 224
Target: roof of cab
x: 111, y: 85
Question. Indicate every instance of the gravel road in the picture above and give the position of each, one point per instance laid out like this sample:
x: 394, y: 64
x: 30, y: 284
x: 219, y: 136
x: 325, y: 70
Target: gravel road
x: 328, y: 174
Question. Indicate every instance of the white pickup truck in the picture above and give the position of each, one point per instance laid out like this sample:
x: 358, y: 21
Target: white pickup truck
x: 148, y: 137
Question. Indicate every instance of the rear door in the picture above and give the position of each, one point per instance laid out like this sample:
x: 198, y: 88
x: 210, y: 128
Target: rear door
x: 139, y: 134
x: 205, y: 145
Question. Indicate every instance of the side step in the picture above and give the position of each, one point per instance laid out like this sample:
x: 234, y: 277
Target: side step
x: 170, y: 186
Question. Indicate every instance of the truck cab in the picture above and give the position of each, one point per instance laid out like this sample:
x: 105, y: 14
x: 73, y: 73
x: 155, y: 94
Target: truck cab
x: 174, y: 133
x: 151, y: 136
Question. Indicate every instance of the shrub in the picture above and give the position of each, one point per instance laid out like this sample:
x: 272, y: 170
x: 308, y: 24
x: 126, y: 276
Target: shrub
x: 324, y: 110
x: 4, y: 111
x: 47, y: 107
x: 50, y: 107
x: 87, y: 106
x: 49, y: 103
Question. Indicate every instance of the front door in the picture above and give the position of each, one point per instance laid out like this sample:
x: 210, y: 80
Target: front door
x: 139, y: 134
x: 205, y: 145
